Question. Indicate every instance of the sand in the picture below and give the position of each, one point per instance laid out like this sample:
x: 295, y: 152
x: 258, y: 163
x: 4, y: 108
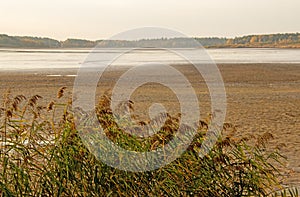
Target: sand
x: 260, y: 98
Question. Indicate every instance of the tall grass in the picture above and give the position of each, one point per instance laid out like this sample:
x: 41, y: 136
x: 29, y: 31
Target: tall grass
x: 43, y: 155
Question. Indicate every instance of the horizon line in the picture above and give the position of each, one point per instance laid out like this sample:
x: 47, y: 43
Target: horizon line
x: 94, y: 40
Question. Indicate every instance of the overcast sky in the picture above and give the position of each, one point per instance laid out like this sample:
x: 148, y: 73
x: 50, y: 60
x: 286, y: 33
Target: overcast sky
x: 100, y: 19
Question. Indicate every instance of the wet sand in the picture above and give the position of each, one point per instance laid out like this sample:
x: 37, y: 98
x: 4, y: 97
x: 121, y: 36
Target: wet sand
x: 260, y: 98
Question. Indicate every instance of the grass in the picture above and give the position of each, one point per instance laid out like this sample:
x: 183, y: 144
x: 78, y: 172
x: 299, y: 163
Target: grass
x: 43, y: 155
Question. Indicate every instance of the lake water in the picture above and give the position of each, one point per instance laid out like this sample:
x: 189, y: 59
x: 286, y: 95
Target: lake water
x: 16, y: 59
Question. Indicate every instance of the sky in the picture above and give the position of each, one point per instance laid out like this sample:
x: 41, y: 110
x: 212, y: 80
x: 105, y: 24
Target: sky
x: 101, y: 19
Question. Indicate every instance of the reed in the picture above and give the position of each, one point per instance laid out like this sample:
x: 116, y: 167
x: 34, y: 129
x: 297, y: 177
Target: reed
x: 43, y: 155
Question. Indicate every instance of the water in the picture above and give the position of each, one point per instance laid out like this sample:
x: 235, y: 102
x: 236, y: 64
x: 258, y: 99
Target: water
x: 16, y: 59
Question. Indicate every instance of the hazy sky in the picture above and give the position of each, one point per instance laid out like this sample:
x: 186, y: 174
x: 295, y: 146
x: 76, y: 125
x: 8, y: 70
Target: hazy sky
x: 100, y: 19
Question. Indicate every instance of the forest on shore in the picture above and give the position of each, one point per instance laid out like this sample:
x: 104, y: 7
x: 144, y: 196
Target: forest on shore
x: 286, y: 40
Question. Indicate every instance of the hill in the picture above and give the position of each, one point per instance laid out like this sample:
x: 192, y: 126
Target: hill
x: 27, y: 42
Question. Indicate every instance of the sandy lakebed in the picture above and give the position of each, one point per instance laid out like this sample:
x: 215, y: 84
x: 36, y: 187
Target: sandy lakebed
x: 260, y: 98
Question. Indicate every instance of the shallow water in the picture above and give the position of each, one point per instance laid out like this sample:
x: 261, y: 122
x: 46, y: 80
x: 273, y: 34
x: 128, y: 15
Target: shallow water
x: 15, y: 59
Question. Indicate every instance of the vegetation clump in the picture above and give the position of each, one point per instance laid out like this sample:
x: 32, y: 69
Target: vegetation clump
x: 43, y: 155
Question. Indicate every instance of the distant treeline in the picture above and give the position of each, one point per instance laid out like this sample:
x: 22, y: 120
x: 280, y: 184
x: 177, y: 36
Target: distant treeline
x: 288, y: 40
x: 268, y: 41
x: 27, y: 42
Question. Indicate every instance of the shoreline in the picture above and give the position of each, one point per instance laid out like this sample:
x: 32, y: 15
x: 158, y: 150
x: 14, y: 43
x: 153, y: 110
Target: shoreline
x: 75, y: 69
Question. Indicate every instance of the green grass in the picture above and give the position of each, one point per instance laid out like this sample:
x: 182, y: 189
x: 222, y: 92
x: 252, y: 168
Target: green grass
x: 62, y: 166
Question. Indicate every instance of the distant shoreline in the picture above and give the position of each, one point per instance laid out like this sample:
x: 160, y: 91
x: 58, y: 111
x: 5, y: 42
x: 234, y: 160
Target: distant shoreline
x: 91, y: 48
x: 287, y: 40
